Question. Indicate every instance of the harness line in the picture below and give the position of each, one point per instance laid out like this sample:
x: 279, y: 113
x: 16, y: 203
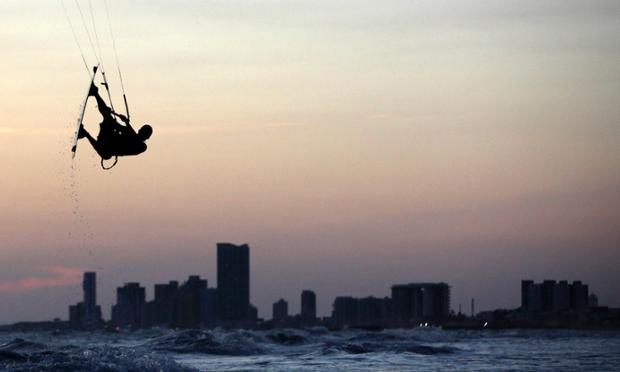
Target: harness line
x: 105, y: 80
x: 90, y: 40
x: 77, y: 42
x: 118, y: 65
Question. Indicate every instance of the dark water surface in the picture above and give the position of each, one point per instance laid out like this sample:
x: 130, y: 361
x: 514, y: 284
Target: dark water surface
x: 312, y: 350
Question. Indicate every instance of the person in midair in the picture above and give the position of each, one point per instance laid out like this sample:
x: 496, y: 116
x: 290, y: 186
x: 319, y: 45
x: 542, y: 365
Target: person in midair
x: 115, y: 139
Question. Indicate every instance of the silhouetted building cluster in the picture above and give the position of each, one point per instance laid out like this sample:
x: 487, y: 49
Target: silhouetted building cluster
x: 189, y: 305
x: 550, y: 304
x: 87, y: 314
x: 552, y: 296
x: 193, y: 304
x: 409, y: 304
x: 306, y: 316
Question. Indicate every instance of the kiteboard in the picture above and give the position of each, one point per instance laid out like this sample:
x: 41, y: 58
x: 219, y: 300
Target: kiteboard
x: 82, y: 111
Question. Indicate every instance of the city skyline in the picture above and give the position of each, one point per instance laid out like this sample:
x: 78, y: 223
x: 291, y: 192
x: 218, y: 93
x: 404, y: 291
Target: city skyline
x: 326, y: 309
x: 353, y: 145
x: 193, y: 304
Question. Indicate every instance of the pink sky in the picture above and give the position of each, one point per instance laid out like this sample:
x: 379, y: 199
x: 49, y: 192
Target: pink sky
x: 56, y: 276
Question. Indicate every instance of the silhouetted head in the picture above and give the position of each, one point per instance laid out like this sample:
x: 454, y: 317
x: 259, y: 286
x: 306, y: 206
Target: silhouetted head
x: 145, y: 132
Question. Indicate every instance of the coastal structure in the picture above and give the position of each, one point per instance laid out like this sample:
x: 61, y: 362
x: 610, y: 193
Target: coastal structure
x: 86, y: 314
x: 416, y: 302
x: 308, y: 306
x: 129, y: 308
x: 552, y: 296
x: 233, y: 282
x: 280, y: 310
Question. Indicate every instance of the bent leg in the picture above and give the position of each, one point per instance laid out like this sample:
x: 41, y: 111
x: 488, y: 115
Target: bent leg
x: 93, y: 142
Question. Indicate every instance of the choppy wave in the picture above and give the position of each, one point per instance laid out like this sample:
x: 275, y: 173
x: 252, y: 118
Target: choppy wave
x: 308, y: 349
x: 20, y: 355
x: 232, y: 343
x: 385, y: 342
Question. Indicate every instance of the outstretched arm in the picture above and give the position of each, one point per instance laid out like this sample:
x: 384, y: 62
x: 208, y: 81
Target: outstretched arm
x: 107, y: 112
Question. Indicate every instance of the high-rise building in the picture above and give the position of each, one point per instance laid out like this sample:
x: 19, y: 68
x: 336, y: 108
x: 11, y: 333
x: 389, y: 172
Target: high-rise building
x: 91, y: 312
x: 129, y: 308
x: 87, y: 314
x: 547, y: 288
x: 527, y: 295
x: 551, y: 296
x: 161, y: 311
x: 280, y: 310
x: 364, y: 312
x: 579, y: 295
x: 345, y: 310
x: 89, y: 286
x: 209, y: 307
x: 189, y: 301
x: 561, y: 296
x: 164, y: 311
x: 233, y: 282
x: 420, y: 301
x: 308, y: 305
x: 373, y: 311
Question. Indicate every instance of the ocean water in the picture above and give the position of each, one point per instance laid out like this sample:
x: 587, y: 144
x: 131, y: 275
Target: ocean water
x: 315, y: 349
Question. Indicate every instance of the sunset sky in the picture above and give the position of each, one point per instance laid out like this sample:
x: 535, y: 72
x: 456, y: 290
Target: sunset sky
x: 352, y: 144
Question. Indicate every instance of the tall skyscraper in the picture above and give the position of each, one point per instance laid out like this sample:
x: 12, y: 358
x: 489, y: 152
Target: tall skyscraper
x: 91, y: 312
x: 89, y: 285
x: 233, y: 282
x: 308, y: 305
x: 87, y: 314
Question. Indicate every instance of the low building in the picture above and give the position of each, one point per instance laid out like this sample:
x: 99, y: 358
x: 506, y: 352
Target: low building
x: 280, y: 310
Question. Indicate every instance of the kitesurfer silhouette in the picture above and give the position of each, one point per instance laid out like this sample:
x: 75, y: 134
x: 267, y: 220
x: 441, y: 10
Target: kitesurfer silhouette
x: 115, y: 139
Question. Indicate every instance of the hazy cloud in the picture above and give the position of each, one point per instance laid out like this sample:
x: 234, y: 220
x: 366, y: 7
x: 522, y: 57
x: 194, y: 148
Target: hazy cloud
x: 57, y: 276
